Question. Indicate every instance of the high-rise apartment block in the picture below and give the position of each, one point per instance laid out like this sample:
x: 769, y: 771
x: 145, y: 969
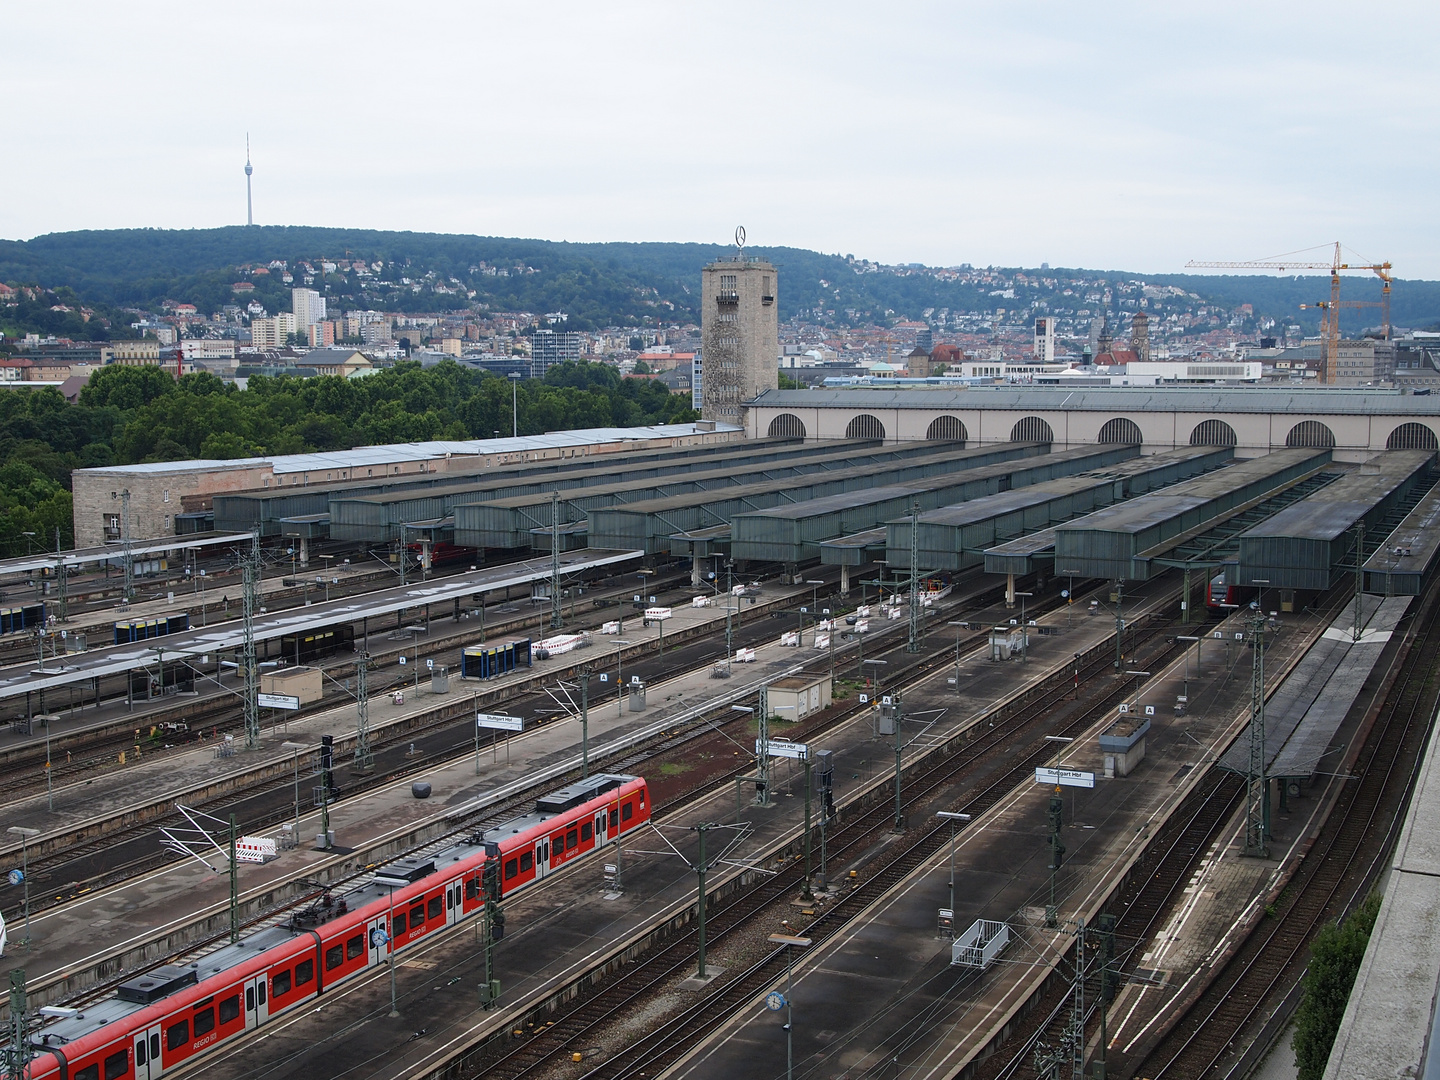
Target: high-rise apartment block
x: 550, y: 347
x: 740, y: 334
x: 309, y: 308
x: 1044, y: 340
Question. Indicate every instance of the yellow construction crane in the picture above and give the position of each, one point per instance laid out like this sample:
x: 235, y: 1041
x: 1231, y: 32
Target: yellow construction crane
x: 1330, y: 322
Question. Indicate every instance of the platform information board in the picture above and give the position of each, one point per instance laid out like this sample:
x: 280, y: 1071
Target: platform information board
x: 781, y: 748
x: 500, y: 723
x: 277, y: 701
x: 1063, y: 777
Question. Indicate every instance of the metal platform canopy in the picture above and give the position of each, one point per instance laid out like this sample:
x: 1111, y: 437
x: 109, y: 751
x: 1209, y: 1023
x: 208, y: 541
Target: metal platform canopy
x: 1023, y: 555
x: 1305, y: 711
x: 954, y: 537
x: 306, y: 526
x: 1302, y: 545
x: 1106, y: 544
x: 99, y: 663
x: 702, y: 543
x: 1403, y: 562
x: 506, y: 523
x: 267, y: 508
x: 792, y: 533
x: 139, y: 549
x: 652, y: 522
x: 857, y: 549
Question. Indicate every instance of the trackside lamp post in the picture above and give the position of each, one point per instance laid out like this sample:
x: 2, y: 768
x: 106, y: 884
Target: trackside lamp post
x: 954, y: 819
x: 787, y: 942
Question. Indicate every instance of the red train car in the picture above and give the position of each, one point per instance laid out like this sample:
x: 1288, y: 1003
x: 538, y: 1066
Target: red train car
x: 157, y: 1021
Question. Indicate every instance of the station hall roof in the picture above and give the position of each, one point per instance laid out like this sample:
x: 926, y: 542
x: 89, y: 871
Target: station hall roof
x: 1196, y: 399
x: 362, y: 456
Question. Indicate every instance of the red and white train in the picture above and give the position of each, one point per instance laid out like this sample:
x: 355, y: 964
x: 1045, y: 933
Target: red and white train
x: 158, y: 1021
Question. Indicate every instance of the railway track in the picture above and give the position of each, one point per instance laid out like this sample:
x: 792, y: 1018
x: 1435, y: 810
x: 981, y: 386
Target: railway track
x: 597, y: 1012
x: 1141, y: 906
x: 671, y: 741
x: 73, y: 757
x: 1334, y: 874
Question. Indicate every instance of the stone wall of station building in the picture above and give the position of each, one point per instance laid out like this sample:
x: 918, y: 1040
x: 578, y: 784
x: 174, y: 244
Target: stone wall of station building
x: 1352, y: 436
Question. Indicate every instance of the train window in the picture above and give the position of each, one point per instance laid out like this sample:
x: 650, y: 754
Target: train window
x: 117, y: 1065
x: 512, y: 868
x: 472, y: 889
x: 557, y: 845
x: 280, y: 984
x: 586, y: 832
x: 304, y: 972
x: 204, y: 1022
x: 527, y: 861
x: 334, y: 957
x: 90, y: 1072
x: 614, y: 819
x: 177, y: 1035
x: 572, y: 839
x: 437, y: 907
x: 417, y: 915
x: 627, y: 811
x: 399, y: 924
x: 262, y: 1002
x: 355, y: 946
x: 249, y: 999
x: 229, y: 1008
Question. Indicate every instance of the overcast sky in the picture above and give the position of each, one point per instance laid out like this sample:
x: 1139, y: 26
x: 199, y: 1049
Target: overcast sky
x: 1109, y: 135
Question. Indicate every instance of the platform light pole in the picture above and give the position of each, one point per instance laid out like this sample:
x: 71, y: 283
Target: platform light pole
x: 296, y: 748
x: 1024, y: 628
x: 1185, y: 697
x: 963, y: 625
x: 1119, y: 625
x: 26, y: 835
x: 787, y: 942
x: 954, y: 819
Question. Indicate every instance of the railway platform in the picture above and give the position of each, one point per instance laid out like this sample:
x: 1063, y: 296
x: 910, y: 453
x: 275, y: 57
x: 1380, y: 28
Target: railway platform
x: 152, y: 904
x: 884, y: 995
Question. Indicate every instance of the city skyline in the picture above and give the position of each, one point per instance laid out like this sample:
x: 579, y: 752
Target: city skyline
x: 1014, y: 135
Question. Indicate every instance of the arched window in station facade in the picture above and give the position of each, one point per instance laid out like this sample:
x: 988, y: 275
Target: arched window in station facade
x: 1412, y: 436
x: 1122, y: 431
x: 865, y: 426
x: 1031, y: 429
x: 947, y: 429
x: 787, y: 426
x: 1311, y: 435
x: 1213, y: 433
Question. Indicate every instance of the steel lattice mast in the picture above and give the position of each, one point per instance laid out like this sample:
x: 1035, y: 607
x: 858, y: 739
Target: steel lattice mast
x: 364, y: 756
x: 1256, y: 782
x: 250, y: 599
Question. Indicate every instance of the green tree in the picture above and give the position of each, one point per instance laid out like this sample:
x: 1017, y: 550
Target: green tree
x: 1334, y: 962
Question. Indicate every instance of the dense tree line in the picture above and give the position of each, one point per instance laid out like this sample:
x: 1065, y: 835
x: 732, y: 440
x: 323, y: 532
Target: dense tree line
x: 1335, y: 958
x: 127, y: 415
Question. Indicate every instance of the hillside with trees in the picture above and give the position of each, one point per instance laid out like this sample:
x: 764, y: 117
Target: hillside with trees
x: 597, y: 285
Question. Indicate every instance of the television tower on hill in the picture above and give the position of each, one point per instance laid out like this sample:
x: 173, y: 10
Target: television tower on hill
x: 249, y: 206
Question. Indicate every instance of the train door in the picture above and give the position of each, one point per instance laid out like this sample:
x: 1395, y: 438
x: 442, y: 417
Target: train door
x: 454, y: 901
x: 601, y: 837
x: 376, y: 934
x: 147, y: 1054
x: 257, y: 1009
x: 542, y: 858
